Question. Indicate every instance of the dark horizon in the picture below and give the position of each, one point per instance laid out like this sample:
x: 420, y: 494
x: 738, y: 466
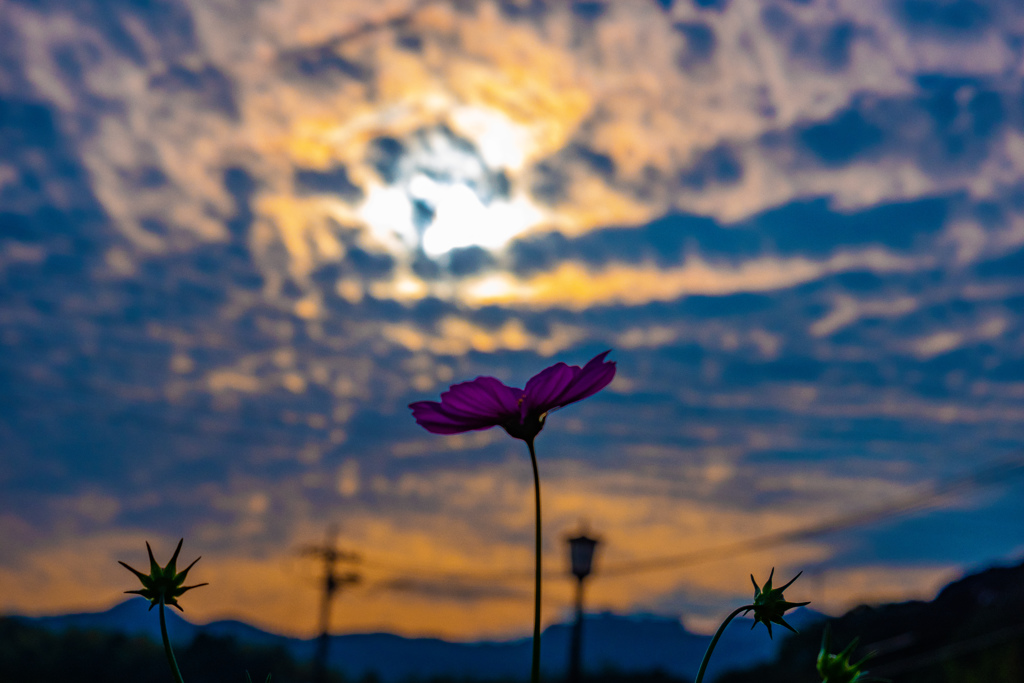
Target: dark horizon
x: 979, y: 616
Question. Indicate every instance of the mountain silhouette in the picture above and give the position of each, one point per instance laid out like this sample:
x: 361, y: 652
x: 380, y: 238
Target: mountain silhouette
x: 628, y: 644
x: 971, y: 631
x: 970, y: 619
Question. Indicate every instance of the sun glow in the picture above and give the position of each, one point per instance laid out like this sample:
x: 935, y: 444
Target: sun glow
x: 459, y: 218
x: 446, y: 190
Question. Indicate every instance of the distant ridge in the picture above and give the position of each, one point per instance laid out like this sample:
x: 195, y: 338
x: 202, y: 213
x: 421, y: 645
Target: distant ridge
x: 974, y: 626
x: 982, y: 603
x: 629, y: 644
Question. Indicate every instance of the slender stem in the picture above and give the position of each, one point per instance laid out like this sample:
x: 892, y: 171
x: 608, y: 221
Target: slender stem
x: 535, y: 667
x: 167, y: 645
x: 714, y: 641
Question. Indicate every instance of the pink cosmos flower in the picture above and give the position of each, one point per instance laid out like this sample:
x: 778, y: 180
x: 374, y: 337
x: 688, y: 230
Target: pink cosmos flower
x: 485, y: 402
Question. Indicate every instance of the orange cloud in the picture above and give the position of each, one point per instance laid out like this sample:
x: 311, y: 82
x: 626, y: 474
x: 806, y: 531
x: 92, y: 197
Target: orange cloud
x: 465, y: 535
x: 572, y: 285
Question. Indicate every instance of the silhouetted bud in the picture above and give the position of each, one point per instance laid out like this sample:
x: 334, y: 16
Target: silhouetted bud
x: 838, y: 668
x: 770, y: 604
x: 163, y: 583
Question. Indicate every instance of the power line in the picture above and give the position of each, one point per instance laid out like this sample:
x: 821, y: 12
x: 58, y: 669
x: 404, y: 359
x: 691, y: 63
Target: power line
x: 998, y: 472
x: 994, y: 473
x: 954, y: 650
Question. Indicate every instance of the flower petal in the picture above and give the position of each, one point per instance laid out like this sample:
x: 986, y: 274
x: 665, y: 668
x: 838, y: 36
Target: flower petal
x: 486, y: 402
x: 481, y: 397
x: 431, y: 416
x: 544, y: 388
x: 594, y: 377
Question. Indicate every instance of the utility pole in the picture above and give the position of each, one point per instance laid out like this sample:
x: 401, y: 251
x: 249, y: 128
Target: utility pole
x: 333, y: 581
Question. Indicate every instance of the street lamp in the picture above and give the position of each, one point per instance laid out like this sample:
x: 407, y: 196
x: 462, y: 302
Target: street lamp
x: 581, y: 558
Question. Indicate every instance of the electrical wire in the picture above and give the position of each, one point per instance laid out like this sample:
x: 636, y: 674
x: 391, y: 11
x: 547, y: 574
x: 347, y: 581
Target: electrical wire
x: 900, y: 665
x: 994, y: 473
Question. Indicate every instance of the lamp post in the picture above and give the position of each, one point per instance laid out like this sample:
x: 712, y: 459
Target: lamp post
x: 581, y: 557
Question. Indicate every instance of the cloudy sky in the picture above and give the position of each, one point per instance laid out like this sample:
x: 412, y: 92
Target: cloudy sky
x: 237, y: 239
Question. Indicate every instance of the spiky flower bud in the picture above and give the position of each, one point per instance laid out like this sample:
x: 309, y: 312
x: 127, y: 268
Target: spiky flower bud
x: 770, y: 604
x: 163, y: 584
x: 838, y: 668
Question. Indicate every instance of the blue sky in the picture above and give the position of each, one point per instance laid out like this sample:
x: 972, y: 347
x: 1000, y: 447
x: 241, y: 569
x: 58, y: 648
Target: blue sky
x: 236, y: 242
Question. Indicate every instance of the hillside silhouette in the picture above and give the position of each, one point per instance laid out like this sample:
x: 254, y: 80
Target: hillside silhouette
x: 972, y: 631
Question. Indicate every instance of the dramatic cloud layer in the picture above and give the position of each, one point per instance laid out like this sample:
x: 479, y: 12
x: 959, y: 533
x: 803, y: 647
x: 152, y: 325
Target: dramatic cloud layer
x: 237, y: 239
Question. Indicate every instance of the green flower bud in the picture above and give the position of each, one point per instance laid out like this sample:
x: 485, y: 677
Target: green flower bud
x: 163, y: 584
x: 770, y: 605
x: 838, y: 668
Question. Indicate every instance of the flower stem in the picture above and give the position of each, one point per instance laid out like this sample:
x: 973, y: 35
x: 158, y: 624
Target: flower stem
x: 714, y: 641
x: 167, y: 645
x: 535, y: 667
